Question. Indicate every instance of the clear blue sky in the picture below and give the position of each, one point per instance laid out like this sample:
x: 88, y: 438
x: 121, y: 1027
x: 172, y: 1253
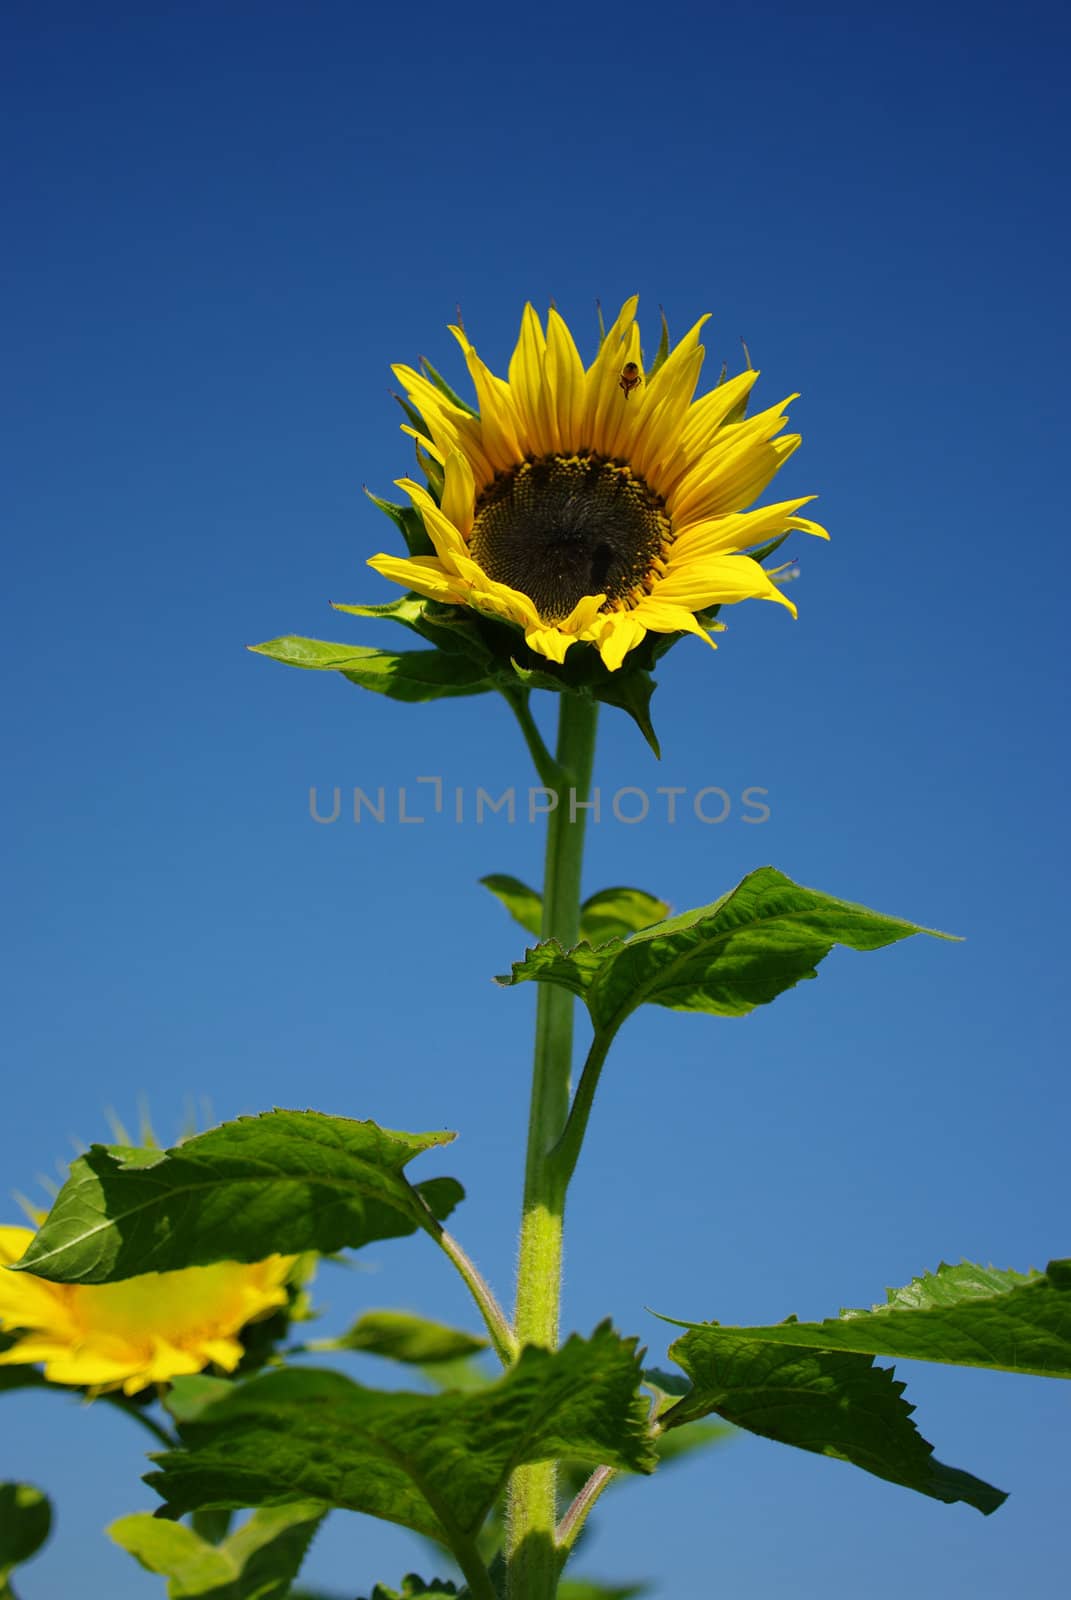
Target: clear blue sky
x: 225, y: 221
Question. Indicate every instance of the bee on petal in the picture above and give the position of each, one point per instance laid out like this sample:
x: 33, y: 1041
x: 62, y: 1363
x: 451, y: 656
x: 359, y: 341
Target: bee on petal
x: 630, y: 378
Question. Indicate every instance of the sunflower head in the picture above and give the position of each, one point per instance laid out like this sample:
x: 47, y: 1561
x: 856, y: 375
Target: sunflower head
x: 143, y: 1331
x: 591, y: 510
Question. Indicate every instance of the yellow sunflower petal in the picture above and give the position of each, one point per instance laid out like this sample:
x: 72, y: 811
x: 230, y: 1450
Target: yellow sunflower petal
x: 459, y: 493
x: 446, y: 536
x: 805, y: 525
x: 616, y: 634
x: 720, y: 580
x: 425, y: 575
x: 499, y: 419
x: 549, y: 641
x: 566, y: 380
x: 738, y: 531
x: 526, y: 382
x: 662, y: 616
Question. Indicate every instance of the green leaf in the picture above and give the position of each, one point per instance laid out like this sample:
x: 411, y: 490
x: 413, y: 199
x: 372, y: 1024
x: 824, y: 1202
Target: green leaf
x: 258, y: 1562
x: 283, y: 1182
x: 524, y: 905
x: 402, y: 1337
x: 609, y: 914
x: 411, y: 675
x: 192, y: 1393
x: 25, y: 1524
x: 726, y: 958
x: 413, y: 1588
x: 434, y: 1463
x: 966, y: 1315
x: 830, y: 1402
x: 615, y: 913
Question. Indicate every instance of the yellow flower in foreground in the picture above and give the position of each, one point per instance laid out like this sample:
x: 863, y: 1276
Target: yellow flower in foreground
x: 139, y: 1332
x: 596, y: 504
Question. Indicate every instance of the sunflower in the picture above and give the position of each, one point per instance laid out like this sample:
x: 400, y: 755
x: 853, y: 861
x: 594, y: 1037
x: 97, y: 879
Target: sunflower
x: 595, y: 505
x: 142, y: 1331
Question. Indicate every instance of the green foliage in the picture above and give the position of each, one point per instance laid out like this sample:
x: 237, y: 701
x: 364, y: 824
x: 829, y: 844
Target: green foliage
x: 19, y: 1377
x: 826, y: 1401
x: 283, y: 1182
x: 966, y: 1315
x: 258, y: 1562
x: 524, y: 905
x: 413, y: 1588
x: 609, y: 914
x: 400, y: 1336
x: 726, y: 958
x: 616, y: 913
x: 588, y: 1589
x: 435, y: 1463
x: 25, y: 1524
x: 412, y: 675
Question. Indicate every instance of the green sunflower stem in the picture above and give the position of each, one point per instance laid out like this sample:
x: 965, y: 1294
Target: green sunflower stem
x: 533, y: 1558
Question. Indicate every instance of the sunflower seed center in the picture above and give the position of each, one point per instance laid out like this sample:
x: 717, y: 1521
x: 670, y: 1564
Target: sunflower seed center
x: 561, y: 527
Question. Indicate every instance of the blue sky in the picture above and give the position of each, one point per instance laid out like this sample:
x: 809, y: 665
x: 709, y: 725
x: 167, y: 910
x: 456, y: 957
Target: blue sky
x: 227, y: 221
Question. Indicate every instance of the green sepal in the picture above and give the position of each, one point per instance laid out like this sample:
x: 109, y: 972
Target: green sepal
x: 726, y: 958
x: 825, y: 1401
x: 18, y: 1376
x: 410, y: 525
x: 432, y: 471
x: 411, y: 675
x: 258, y: 1562
x: 434, y: 1463
x: 769, y: 549
x: 444, y: 388
x: 630, y: 689
x: 412, y: 415
x: 408, y: 610
x: 400, y: 1336
x: 25, y: 1524
x: 281, y: 1183
x: 663, y: 347
x: 963, y: 1315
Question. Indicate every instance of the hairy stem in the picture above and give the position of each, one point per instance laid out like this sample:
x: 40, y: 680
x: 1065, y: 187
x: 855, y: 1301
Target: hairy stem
x: 533, y: 1561
x: 502, y: 1339
x: 572, y: 1522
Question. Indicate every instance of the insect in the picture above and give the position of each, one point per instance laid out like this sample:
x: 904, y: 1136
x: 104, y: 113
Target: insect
x: 630, y: 378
